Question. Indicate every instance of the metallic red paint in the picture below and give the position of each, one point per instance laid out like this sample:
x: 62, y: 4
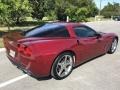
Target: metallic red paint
x: 45, y: 50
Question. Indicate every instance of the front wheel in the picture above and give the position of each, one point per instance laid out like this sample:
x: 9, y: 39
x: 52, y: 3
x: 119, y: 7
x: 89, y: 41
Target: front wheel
x: 113, y: 46
x: 62, y: 66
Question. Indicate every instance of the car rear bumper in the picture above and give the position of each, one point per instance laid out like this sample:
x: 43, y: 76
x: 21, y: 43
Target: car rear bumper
x: 35, y: 68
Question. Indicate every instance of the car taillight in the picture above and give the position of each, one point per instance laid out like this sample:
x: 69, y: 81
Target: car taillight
x: 27, y: 51
x: 20, y: 48
x: 24, y: 50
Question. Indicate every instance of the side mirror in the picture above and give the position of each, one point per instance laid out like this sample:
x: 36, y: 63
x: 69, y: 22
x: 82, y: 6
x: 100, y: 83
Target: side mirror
x: 98, y: 35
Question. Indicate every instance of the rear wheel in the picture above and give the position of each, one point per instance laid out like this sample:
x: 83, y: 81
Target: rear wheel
x: 62, y: 66
x: 113, y: 46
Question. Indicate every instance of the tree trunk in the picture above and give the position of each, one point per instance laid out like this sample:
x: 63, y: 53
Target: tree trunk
x: 18, y: 20
x: 8, y: 25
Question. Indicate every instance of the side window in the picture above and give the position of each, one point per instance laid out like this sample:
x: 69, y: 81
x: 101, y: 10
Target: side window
x: 57, y: 32
x: 83, y: 31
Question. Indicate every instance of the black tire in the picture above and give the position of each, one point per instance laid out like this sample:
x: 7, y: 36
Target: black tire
x: 54, y: 71
x: 112, y: 50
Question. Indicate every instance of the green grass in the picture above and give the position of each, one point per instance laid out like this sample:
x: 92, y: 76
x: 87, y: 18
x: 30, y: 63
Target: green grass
x: 1, y: 43
x: 91, y: 19
x: 5, y: 29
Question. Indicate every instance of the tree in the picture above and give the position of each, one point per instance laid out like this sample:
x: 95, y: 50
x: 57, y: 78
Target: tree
x: 77, y: 10
x: 111, y: 10
x: 13, y: 11
x: 20, y: 9
x: 77, y: 14
x: 80, y: 10
x: 60, y: 9
x: 5, y: 14
x: 41, y: 8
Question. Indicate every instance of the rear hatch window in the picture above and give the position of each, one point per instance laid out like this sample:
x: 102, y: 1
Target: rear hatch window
x: 48, y: 30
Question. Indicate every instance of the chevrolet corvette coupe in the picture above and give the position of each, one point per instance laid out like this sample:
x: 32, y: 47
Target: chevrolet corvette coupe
x: 54, y: 49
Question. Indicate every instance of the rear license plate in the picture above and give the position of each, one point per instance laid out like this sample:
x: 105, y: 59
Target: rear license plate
x: 12, y: 53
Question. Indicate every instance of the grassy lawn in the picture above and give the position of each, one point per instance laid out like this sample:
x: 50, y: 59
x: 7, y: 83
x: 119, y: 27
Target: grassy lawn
x: 92, y: 19
x: 1, y: 43
x: 5, y: 29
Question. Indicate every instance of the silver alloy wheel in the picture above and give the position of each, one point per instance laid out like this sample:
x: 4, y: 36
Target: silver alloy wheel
x: 114, y: 45
x: 64, y: 66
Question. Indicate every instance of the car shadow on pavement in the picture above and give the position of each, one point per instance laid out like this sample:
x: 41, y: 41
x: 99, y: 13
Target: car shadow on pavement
x: 40, y: 78
x: 44, y: 78
x: 89, y: 61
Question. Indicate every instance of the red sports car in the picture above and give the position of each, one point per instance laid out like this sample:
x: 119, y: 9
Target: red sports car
x: 55, y: 48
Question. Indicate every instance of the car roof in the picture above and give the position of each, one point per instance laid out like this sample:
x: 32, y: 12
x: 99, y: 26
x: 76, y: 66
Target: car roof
x: 65, y: 23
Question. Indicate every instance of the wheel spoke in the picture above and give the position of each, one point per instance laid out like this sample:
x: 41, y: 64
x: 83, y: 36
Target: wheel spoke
x: 65, y: 60
x: 68, y: 63
x: 60, y: 71
x: 66, y: 70
x: 60, y: 64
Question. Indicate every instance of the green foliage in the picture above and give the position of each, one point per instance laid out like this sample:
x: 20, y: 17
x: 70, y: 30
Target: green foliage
x: 41, y: 8
x: 52, y: 15
x: 13, y: 11
x: 20, y: 9
x: 31, y: 23
x: 4, y: 13
x: 81, y: 14
x: 77, y: 10
x: 80, y: 10
x: 111, y: 10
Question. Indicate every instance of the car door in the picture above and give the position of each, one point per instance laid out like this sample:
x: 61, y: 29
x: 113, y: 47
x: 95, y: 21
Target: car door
x: 89, y: 43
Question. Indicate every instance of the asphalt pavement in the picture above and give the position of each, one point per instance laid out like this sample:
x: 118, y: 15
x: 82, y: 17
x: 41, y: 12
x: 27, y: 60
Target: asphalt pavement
x: 102, y: 73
